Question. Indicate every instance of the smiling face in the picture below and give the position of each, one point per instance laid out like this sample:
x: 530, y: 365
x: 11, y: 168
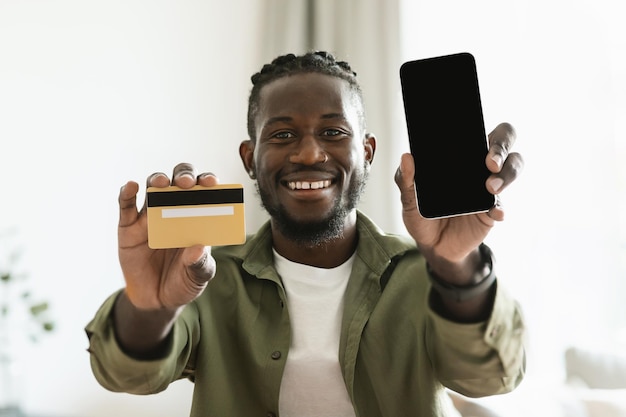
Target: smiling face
x: 311, y: 156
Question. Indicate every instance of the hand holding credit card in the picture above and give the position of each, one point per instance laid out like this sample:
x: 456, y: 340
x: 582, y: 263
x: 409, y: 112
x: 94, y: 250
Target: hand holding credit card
x: 210, y: 216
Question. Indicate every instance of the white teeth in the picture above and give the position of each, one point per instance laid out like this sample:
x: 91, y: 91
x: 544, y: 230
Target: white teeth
x: 305, y: 185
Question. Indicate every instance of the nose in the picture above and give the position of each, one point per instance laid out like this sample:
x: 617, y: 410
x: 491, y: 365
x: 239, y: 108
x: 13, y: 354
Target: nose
x: 309, y: 151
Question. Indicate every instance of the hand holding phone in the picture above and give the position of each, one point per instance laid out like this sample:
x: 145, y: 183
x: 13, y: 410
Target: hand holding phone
x: 446, y: 135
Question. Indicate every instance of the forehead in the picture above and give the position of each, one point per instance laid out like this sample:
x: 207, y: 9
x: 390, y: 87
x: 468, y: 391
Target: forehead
x: 307, y: 92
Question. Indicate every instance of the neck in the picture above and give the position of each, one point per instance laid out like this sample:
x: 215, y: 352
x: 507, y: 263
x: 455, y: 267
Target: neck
x: 329, y: 254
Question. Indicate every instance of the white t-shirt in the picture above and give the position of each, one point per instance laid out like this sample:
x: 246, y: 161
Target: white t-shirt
x: 312, y: 384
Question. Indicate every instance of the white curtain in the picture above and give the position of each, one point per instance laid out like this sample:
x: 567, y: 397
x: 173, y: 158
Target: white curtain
x: 366, y: 33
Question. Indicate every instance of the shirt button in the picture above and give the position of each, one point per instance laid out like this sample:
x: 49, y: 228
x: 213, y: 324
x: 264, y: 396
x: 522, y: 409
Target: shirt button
x: 276, y: 354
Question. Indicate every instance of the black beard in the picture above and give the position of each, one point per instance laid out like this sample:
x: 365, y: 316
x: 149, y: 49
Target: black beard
x: 313, y: 234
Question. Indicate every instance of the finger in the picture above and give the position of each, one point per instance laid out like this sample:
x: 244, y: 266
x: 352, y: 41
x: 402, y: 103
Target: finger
x: 184, y: 175
x: 127, y: 200
x: 158, y: 179
x: 200, y: 263
x: 501, y: 140
x: 511, y: 169
x: 405, y: 182
x: 496, y: 212
x: 208, y: 179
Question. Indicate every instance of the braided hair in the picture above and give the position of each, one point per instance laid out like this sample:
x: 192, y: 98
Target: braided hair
x: 318, y: 62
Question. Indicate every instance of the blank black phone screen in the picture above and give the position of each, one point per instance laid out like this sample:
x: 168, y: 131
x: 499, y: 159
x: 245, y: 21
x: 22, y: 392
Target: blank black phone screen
x: 446, y: 134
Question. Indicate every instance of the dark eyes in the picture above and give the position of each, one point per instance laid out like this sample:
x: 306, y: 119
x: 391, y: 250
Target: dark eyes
x: 332, y: 132
x: 327, y: 133
x: 283, y: 135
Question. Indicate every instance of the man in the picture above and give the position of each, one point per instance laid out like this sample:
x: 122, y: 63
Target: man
x: 319, y: 313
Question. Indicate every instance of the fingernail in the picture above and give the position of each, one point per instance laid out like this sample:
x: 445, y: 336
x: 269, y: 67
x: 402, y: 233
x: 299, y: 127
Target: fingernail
x: 156, y: 175
x: 186, y: 175
x: 496, y: 184
x: 497, y: 158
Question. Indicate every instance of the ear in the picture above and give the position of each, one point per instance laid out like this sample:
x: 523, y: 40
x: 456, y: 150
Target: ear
x: 246, y: 152
x: 370, y: 147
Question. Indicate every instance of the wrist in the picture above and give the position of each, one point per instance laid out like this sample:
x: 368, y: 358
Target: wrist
x: 142, y: 333
x: 480, y: 281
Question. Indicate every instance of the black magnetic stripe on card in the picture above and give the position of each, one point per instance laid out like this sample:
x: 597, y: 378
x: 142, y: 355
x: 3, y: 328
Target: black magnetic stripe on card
x: 195, y: 197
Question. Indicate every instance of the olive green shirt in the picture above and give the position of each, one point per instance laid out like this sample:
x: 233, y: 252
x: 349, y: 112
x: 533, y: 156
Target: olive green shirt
x: 396, y: 353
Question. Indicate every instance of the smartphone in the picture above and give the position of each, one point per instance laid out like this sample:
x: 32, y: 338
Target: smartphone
x: 446, y: 133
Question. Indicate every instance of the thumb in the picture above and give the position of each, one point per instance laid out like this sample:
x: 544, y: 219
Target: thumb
x: 404, y: 179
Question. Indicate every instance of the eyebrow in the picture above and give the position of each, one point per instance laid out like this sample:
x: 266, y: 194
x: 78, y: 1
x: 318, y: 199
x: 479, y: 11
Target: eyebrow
x: 286, y: 119
x: 278, y: 119
x: 334, y: 116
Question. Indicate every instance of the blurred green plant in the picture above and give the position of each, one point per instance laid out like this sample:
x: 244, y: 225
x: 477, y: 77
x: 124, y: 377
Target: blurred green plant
x: 16, y: 298
x: 22, y: 318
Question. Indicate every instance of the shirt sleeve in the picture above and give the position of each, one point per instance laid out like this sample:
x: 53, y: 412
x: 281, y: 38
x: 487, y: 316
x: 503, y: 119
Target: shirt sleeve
x: 119, y: 372
x: 480, y: 359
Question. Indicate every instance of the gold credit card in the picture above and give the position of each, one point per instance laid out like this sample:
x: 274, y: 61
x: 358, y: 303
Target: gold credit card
x: 210, y: 216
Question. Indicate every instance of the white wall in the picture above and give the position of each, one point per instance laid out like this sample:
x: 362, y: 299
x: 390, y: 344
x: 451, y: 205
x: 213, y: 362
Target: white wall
x: 556, y: 70
x: 92, y: 94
